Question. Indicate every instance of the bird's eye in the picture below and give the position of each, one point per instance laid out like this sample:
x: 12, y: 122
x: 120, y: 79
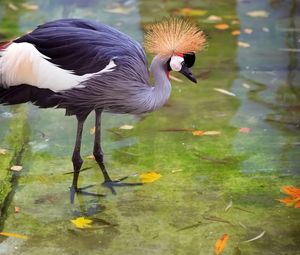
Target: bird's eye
x: 189, y: 59
x: 176, y: 63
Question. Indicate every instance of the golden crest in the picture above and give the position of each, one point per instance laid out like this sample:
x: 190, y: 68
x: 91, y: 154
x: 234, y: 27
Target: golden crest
x: 173, y: 35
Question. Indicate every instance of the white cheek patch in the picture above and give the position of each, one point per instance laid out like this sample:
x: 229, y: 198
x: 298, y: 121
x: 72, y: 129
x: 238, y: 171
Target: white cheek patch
x: 176, y: 63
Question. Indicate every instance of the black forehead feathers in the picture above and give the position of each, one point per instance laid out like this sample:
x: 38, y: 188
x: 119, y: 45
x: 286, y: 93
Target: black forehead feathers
x: 189, y: 59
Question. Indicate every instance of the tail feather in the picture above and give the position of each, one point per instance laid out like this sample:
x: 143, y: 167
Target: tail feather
x: 25, y: 93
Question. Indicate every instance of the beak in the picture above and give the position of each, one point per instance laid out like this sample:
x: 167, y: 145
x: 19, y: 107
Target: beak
x: 187, y: 73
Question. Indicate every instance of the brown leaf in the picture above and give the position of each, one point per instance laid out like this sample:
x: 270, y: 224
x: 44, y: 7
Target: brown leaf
x: 220, y: 244
x: 221, y: 26
x: 236, y: 32
x: 245, y: 130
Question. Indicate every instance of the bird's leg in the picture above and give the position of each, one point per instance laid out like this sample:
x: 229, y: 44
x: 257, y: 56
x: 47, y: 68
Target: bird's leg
x: 98, y: 154
x: 76, y: 158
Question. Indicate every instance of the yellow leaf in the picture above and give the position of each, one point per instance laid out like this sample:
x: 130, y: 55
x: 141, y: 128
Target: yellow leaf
x: 90, y: 157
x: 12, y: 7
x: 220, y: 244
x: 92, y: 130
x: 248, y: 30
x: 192, y: 12
x: 213, y: 18
x: 149, y: 177
x: 236, y: 32
x: 82, y: 222
x: 13, y: 235
x: 16, y: 168
x: 258, y: 14
x: 198, y: 132
x: 126, y: 127
x: 243, y: 44
x: 3, y: 151
x: 212, y: 133
x: 30, y: 7
x: 221, y: 26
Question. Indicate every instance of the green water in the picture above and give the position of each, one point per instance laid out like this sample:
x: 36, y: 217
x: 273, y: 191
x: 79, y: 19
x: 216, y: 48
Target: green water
x: 184, y: 211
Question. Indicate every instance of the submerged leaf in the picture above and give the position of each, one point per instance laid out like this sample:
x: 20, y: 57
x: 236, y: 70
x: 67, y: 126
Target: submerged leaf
x: 149, y: 177
x: 13, y: 235
x: 243, y: 44
x: 82, y: 222
x: 225, y: 92
x: 213, y: 18
x: 198, y: 133
x: 255, y: 238
x: 258, y: 14
x: 126, y: 127
x: 222, y: 26
x: 228, y: 206
x: 291, y: 190
x: 191, y: 12
x: 16, y: 168
x: 3, y: 151
x: 212, y: 133
x: 236, y: 32
x: 30, y: 7
x: 92, y: 130
x: 220, y: 244
x: 245, y: 130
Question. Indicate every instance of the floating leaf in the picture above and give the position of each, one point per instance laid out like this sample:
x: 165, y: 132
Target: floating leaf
x: 245, y: 130
x: 236, y: 32
x: 258, y: 14
x: 120, y: 9
x: 248, y: 30
x: 12, y: 6
x: 294, y: 199
x: 90, y: 157
x: 82, y: 222
x: 93, y: 130
x: 220, y: 244
x: 226, y: 92
x: 221, y: 26
x: 13, y: 235
x: 189, y: 12
x: 149, y: 177
x: 126, y: 127
x: 212, y: 133
x: 228, y: 206
x: 3, y: 151
x: 30, y: 7
x: 16, y: 168
x: 291, y: 190
x: 213, y: 18
x: 243, y: 44
x: 17, y: 209
x: 198, y: 132
x: 255, y: 238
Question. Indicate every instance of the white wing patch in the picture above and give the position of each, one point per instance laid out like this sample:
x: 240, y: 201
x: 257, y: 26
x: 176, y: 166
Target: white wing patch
x: 22, y: 63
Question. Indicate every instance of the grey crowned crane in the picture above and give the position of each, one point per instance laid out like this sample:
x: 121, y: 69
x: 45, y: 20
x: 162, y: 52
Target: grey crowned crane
x: 84, y: 66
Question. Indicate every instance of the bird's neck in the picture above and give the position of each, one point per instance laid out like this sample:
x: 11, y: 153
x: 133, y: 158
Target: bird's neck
x: 162, y: 87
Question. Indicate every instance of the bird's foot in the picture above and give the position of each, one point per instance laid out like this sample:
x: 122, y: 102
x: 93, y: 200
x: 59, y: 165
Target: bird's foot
x: 118, y: 183
x: 75, y: 190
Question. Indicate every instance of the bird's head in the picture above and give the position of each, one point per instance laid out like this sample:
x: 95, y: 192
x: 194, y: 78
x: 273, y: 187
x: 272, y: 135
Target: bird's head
x: 176, y: 40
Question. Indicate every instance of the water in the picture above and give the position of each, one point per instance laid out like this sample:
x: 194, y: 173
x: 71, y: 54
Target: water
x: 184, y: 211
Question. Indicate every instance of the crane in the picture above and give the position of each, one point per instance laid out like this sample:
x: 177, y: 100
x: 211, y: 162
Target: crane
x: 83, y: 66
